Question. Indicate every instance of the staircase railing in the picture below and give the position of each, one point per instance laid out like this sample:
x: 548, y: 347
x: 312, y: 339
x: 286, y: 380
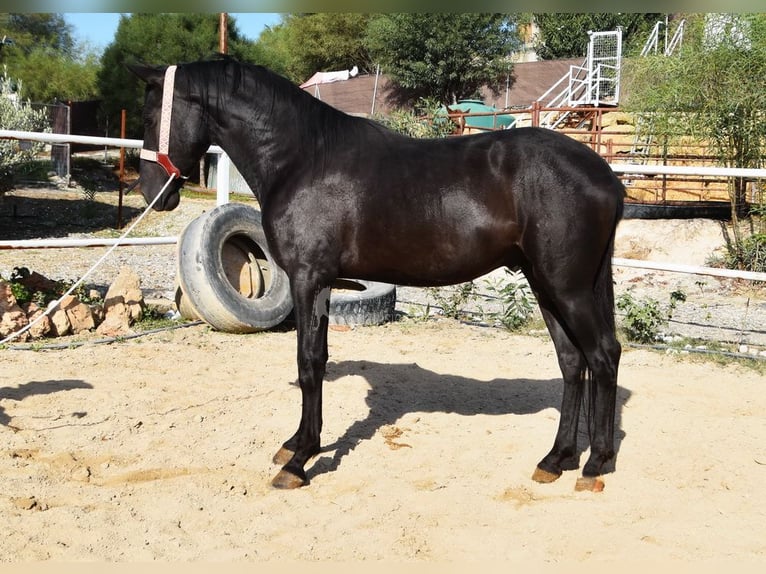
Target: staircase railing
x: 595, y: 82
x: 643, y: 138
x: 653, y: 41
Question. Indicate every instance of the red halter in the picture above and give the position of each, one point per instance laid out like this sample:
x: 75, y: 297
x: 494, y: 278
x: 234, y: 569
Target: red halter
x: 161, y: 156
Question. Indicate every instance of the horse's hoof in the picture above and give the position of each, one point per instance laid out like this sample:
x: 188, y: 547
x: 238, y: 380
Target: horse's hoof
x: 589, y: 483
x: 283, y: 456
x: 288, y: 481
x: 544, y: 476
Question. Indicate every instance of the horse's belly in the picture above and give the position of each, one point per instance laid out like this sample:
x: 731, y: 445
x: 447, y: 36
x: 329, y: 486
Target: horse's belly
x: 422, y: 263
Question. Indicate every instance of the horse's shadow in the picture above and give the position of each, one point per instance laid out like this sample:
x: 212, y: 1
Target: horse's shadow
x: 398, y: 389
x: 33, y: 388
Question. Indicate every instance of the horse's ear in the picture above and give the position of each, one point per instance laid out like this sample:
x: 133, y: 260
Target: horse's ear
x: 149, y: 74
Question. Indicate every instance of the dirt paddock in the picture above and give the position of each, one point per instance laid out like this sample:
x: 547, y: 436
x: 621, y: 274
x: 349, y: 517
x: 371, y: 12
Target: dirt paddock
x: 159, y: 448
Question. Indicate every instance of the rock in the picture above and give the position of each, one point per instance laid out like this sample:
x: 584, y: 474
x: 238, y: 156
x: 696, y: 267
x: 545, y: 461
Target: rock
x: 12, y: 321
x: 117, y: 319
x: 24, y: 502
x: 79, y: 314
x: 43, y: 326
x: 12, y: 317
x: 126, y: 289
x: 7, y: 298
x: 60, y: 324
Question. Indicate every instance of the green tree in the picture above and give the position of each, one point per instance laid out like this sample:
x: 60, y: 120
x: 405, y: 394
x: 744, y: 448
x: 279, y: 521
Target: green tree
x: 443, y: 55
x: 712, y: 91
x: 564, y: 35
x: 50, y: 77
x: 324, y: 42
x: 156, y: 39
x: 272, y: 50
x: 38, y: 30
x: 45, y: 57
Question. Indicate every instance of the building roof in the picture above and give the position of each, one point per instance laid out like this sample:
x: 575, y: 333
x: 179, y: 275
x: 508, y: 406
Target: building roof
x: 355, y: 95
x: 528, y: 81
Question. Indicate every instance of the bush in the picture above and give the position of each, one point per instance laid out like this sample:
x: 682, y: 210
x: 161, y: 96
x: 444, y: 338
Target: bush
x: 516, y: 298
x: 17, y: 115
x: 644, y: 318
x: 512, y: 294
x: 453, y: 300
x: 749, y: 254
x: 423, y: 123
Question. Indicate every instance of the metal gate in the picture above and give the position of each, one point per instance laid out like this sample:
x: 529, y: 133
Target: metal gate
x: 604, y: 55
x: 595, y: 83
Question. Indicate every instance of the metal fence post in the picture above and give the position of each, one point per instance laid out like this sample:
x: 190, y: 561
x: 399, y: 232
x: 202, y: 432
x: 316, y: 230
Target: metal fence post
x: 222, y: 179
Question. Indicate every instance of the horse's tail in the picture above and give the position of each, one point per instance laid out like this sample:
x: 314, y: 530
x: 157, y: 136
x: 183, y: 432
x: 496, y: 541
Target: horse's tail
x: 603, y: 290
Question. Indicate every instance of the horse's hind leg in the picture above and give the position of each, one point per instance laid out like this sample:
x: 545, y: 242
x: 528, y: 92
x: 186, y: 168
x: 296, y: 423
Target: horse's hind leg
x: 312, y: 319
x: 586, y: 345
x: 594, y: 335
x: 563, y: 455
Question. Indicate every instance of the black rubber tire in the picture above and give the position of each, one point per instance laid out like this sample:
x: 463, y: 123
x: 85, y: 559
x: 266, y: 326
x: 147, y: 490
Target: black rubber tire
x: 227, y: 274
x: 357, y: 302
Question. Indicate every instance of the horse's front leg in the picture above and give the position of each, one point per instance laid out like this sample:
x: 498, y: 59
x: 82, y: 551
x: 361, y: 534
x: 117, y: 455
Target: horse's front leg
x: 311, y: 302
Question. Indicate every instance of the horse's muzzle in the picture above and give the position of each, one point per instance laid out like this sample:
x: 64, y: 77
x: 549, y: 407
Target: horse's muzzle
x: 168, y: 202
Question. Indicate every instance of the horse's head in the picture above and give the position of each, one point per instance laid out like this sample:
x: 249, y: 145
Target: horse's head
x: 175, y: 137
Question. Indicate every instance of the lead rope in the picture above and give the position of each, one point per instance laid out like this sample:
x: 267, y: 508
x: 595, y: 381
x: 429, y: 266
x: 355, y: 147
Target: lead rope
x: 54, y: 304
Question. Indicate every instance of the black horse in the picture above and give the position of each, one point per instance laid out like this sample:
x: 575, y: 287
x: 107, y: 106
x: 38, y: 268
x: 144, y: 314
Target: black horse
x: 343, y: 196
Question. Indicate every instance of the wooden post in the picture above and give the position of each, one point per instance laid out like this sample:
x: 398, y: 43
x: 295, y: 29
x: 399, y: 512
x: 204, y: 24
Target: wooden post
x: 536, y: 113
x: 223, y: 40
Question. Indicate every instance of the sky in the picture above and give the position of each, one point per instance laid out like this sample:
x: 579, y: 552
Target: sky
x: 97, y: 29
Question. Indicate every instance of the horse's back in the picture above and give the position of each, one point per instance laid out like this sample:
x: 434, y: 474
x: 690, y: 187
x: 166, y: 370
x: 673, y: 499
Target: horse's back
x: 444, y: 211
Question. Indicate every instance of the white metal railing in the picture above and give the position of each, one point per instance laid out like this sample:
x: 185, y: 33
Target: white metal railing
x: 652, y: 43
x: 222, y: 189
x: 755, y: 173
x: 222, y: 174
x: 644, y: 140
x: 579, y: 83
x: 689, y: 269
x: 561, y: 96
x: 551, y: 119
x: 677, y: 39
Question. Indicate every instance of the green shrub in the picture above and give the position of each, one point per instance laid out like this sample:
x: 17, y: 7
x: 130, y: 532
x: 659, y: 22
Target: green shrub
x: 516, y: 299
x: 749, y: 254
x: 453, y: 300
x: 644, y: 318
x: 424, y: 122
x: 17, y: 115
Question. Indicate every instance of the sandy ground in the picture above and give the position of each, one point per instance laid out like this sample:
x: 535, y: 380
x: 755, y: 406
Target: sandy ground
x: 159, y: 448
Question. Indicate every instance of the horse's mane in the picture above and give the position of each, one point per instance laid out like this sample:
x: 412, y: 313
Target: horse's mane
x: 222, y: 75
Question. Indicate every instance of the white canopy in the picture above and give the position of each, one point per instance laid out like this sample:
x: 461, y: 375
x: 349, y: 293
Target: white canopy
x: 328, y: 77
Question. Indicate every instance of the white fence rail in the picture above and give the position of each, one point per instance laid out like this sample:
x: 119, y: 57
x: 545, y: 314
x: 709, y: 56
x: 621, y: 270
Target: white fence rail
x: 222, y: 181
x: 223, y: 193
x: 222, y: 190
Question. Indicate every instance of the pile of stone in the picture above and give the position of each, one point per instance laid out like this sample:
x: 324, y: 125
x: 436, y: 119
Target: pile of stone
x: 112, y: 316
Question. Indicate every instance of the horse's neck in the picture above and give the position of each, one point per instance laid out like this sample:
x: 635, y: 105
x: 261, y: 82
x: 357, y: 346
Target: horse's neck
x: 264, y: 148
